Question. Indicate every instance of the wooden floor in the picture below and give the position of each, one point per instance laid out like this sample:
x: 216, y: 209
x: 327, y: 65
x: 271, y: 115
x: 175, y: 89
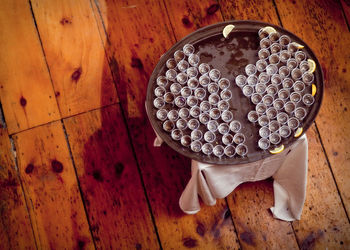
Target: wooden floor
x: 77, y: 166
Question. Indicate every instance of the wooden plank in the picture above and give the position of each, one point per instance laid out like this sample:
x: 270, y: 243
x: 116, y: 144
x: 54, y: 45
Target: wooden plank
x: 257, y: 229
x: 250, y: 202
x: 188, y: 16
x: 24, y: 79
x: 262, y: 10
x: 51, y: 189
x: 75, y: 55
x: 110, y: 181
x: 135, y: 53
x: 346, y: 7
x: 15, y: 228
x: 322, y: 26
x: 128, y: 40
x: 323, y: 223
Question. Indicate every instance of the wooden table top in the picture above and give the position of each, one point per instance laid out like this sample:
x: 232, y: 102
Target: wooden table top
x: 77, y: 165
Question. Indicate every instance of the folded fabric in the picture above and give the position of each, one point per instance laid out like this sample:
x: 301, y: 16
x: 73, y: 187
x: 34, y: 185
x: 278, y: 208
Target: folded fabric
x: 289, y: 170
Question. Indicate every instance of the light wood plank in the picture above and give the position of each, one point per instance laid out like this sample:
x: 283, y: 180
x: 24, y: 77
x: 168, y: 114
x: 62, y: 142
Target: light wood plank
x: 50, y: 184
x: 321, y: 24
x: 26, y: 91
x: 110, y: 181
x: 135, y: 53
x: 15, y: 229
x: 75, y: 55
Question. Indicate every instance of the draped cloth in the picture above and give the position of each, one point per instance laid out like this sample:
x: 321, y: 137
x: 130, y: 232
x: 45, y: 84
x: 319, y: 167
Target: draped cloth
x: 288, y: 169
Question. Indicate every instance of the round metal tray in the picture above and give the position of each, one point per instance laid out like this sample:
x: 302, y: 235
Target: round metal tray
x: 241, y: 48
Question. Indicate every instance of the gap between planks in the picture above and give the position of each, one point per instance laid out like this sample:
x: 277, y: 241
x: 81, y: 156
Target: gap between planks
x: 95, y: 5
x: 344, y: 15
x: 78, y: 182
x: 43, y: 51
x: 331, y: 170
x: 61, y: 119
x: 14, y: 154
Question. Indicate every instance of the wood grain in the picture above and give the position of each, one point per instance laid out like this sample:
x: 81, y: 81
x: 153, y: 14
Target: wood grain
x: 51, y: 189
x: 75, y: 55
x: 257, y: 229
x: 346, y: 7
x: 133, y: 54
x: 24, y: 78
x: 323, y: 222
x: 129, y: 39
x: 261, y: 10
x: 188, y: 16
x: 15, y: 228
x: 108, y: 175
x: 322, y: 26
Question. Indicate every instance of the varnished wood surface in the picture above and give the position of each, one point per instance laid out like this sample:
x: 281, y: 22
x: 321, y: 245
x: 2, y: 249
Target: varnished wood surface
x: 77, y: 165
x: 26, y: 92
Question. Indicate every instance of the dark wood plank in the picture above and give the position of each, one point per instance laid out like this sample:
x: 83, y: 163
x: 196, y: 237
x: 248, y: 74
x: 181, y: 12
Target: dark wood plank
x: 128, y: 40
x: 257, y: 229
x: 133, y: 53
x: 110, y: 182
x: 250, y: 203
x: 75, y: 55
x: 321, y: 24
x: 22, y: 65
x: 51, y: 189
x: 261, y: 10
x: 188, y: 16
x: 346, y: 7
x: 15, y: 228
x: 323, y: 223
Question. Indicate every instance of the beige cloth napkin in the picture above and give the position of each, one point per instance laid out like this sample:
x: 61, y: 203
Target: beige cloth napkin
x: 289, y: 170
